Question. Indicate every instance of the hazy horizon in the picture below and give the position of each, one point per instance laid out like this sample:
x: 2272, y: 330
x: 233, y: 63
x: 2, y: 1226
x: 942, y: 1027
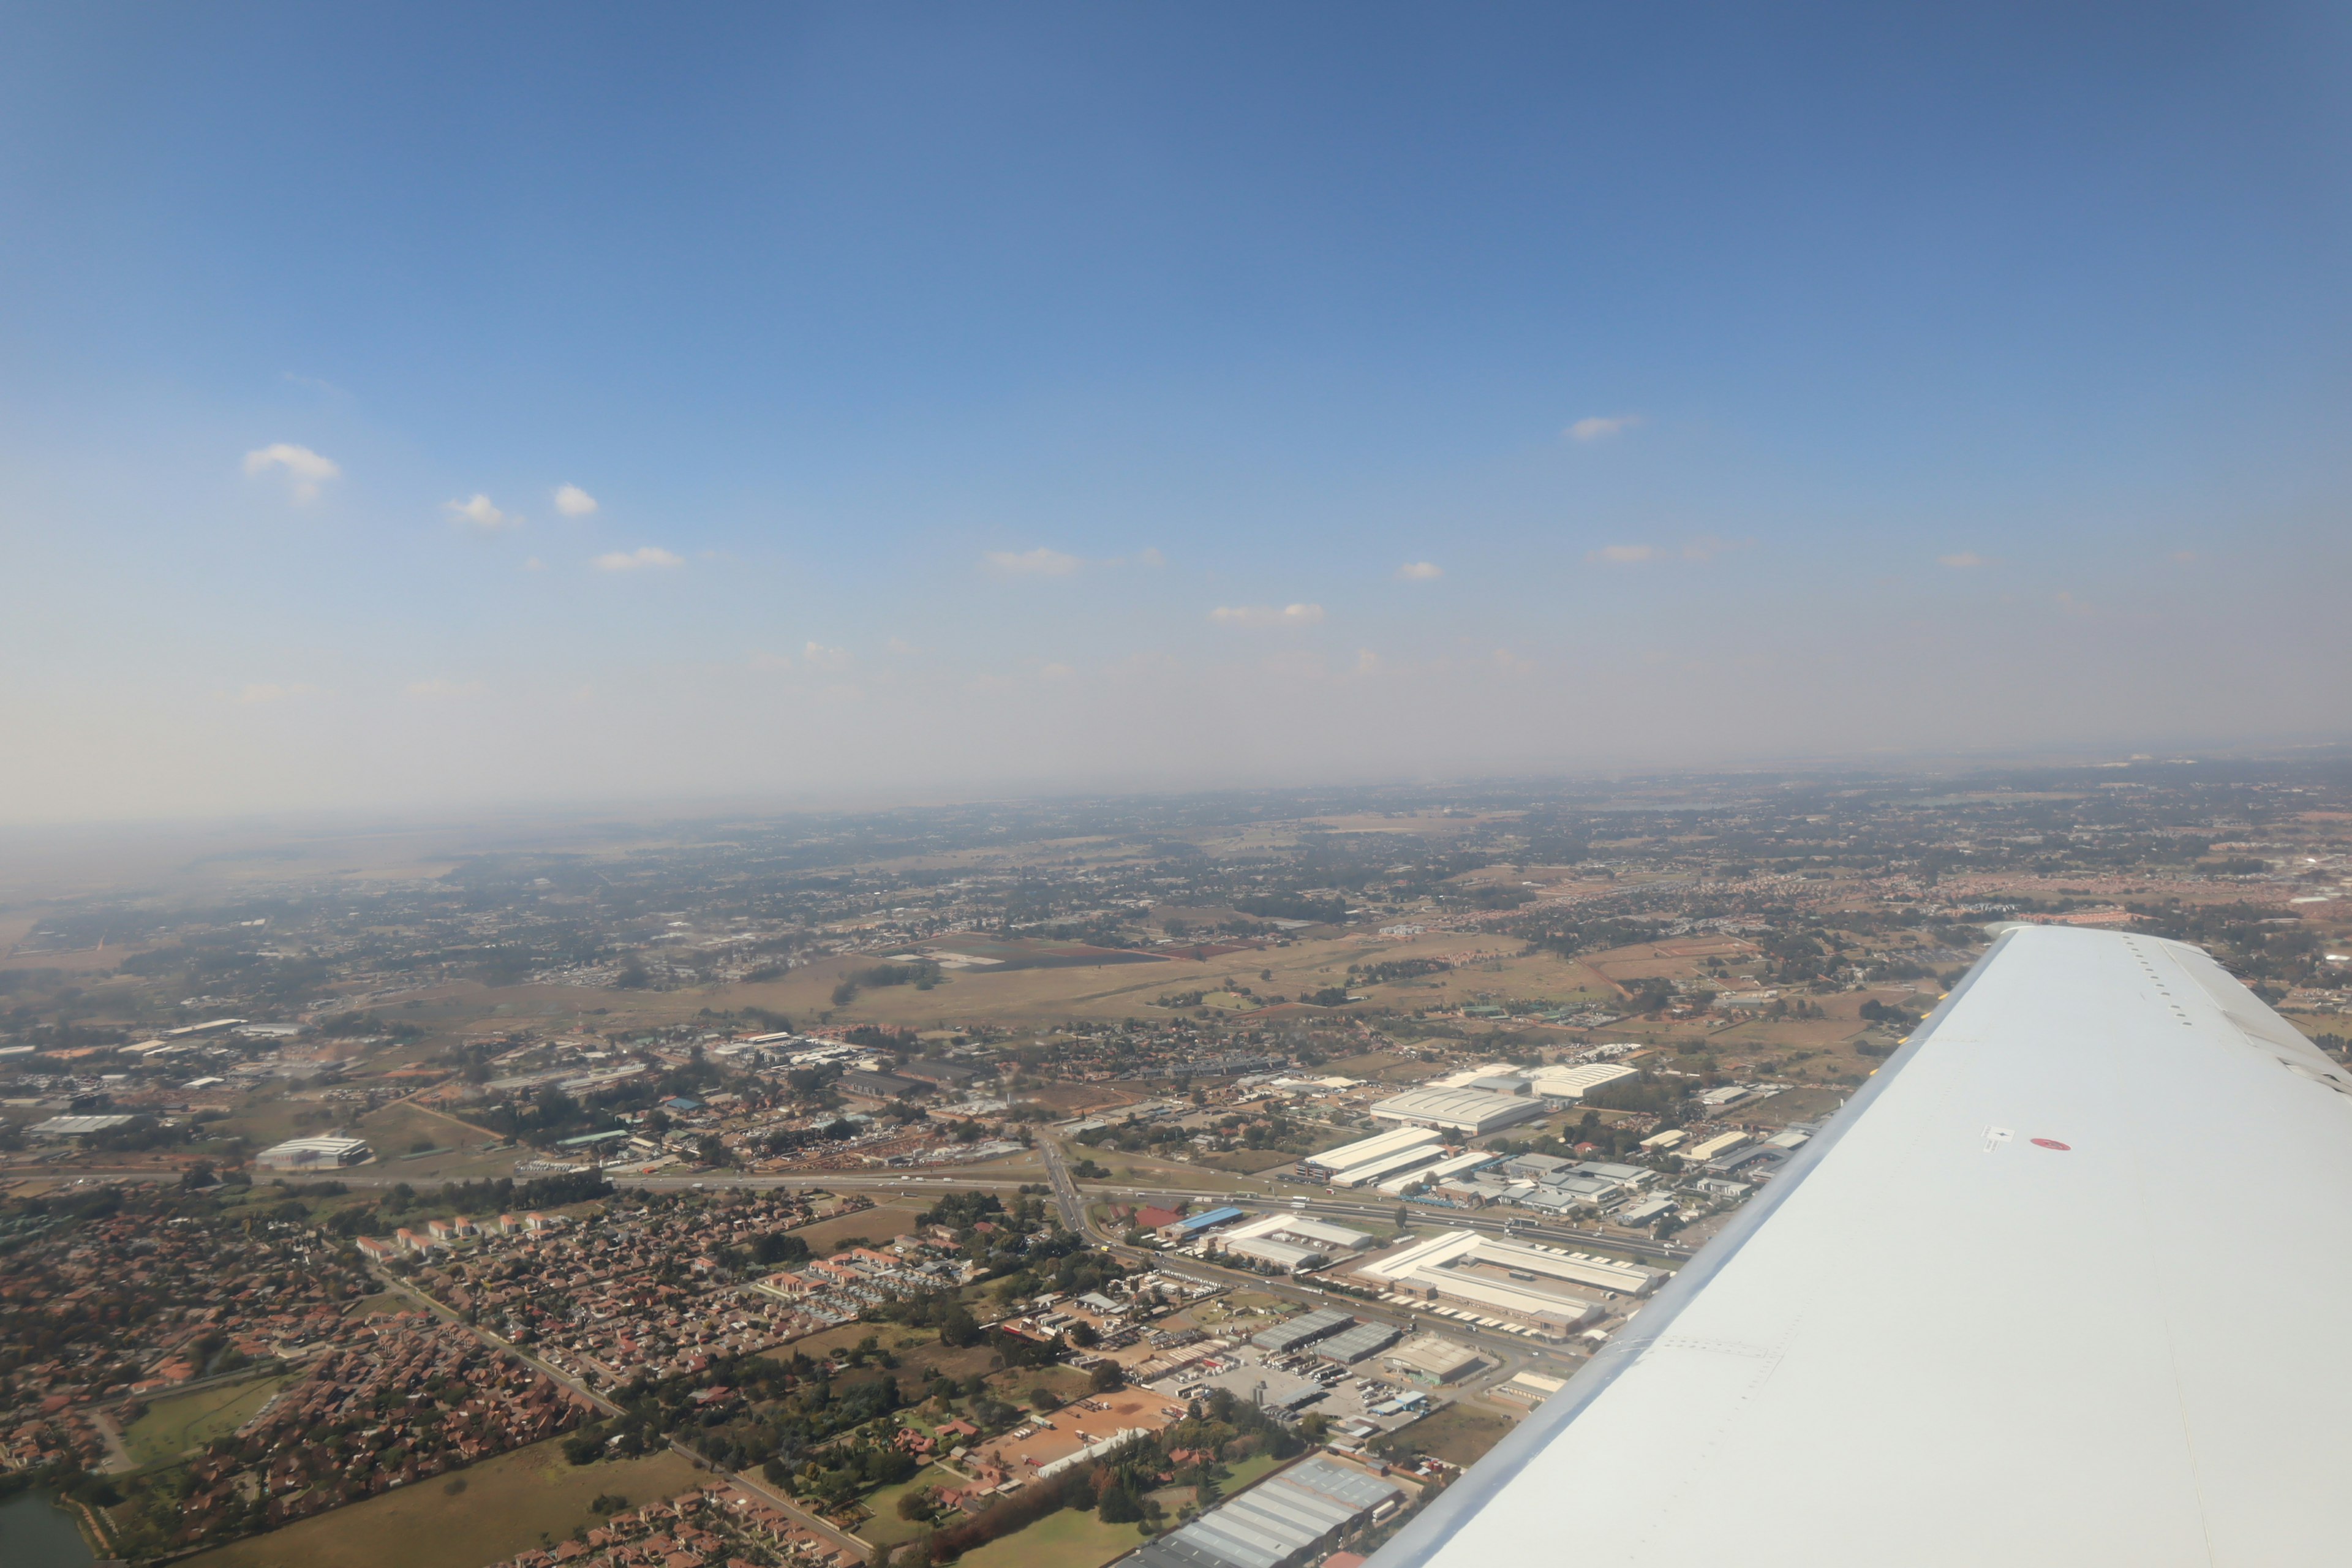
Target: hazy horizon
x: 447, y: 411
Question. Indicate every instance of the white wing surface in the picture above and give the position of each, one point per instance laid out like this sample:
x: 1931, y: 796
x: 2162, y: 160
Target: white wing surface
x: 2065, y: 1284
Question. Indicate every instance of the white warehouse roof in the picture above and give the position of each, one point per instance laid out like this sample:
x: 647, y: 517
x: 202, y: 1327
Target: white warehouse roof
x: 1466, y: 1111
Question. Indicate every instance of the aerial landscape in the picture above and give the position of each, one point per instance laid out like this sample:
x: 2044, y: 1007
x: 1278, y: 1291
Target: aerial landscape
x: 1177, y: 786
x: 863, y: 1187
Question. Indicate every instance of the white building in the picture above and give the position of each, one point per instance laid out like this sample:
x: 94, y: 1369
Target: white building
x: 1347, y: 1156
x: 1468, y: 1112
x: 314, y: 1153
x: 1574, y: 1083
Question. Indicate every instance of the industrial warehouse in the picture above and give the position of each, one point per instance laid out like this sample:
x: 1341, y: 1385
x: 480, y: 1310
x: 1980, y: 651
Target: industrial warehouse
x: 312, y: 1153
x: 1287, y: 1242
x: 1472, y: 1112
x: 1514, y: 1286
x: 1281, y: 1522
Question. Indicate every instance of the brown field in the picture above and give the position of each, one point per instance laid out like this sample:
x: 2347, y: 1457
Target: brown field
x: 878, y: 1224
x: 1460, y: 1434
x: 505, y: 1505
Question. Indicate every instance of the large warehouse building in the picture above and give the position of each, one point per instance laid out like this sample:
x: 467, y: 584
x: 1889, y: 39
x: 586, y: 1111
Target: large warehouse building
x: 314, y: 1153
x: 1468, y: 1112
x: 1365, y: 1150
x: 1537, y: 1289
x: 1289, y: 1519
x: 1290, y: 1241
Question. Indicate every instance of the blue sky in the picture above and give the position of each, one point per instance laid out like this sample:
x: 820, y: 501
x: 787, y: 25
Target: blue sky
x: 979, y: 398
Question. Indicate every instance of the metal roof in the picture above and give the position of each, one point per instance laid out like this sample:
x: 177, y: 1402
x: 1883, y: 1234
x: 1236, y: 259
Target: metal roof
x: 1303, y: 1329
x: 1958, y: 1328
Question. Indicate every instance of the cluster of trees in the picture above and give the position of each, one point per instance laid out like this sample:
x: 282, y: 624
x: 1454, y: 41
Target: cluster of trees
x: 921, y: 975
x: 1396, y: 969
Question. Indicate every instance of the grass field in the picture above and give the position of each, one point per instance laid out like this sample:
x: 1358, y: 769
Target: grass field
x: 1067, y: 1539
x: 507, y: 1505
x: 179, y: 1422
x: 885, y: 1529
x: 876, y: 1225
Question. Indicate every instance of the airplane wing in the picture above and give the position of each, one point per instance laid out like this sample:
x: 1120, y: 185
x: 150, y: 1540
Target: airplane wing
x: 2065, y: 1283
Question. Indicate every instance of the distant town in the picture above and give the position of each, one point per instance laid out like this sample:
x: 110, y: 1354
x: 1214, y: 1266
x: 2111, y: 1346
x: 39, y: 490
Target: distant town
x: 1204, y: 1181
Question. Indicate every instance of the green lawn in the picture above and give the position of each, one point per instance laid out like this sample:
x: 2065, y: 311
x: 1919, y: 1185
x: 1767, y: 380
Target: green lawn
x: 1066, y: 1539
x: 178, y: 1422
x: 885, y: 1529
x: 504, y: 1506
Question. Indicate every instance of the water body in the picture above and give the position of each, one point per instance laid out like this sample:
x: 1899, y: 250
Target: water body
x: 37, y: 1534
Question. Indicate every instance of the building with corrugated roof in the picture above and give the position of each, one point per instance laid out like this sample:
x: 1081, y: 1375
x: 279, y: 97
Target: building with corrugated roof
x: 1284, y: 1521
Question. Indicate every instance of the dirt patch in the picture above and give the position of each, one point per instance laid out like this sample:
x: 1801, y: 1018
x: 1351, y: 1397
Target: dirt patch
x: 1459, y: 1434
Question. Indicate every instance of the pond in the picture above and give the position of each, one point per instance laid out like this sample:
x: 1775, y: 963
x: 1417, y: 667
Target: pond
x: 37, y: 1534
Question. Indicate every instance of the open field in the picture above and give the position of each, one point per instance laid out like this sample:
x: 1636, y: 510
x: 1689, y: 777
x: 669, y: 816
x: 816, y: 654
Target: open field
x: 878, y: 1224
x: 506, y: 1505
x: 1067, y: 1539
x: 1460, y: 1434
x: 885, y: 1529
x: 178, y: 1422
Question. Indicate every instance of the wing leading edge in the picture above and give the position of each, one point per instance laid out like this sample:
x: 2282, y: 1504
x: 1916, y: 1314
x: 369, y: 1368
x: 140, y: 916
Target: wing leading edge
x: 2109, y: 1337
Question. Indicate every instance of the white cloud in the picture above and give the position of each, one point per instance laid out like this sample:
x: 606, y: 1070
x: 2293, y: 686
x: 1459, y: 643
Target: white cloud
x: 262, y: 692
x: 1152, y: 558
x: 901, y: 647
x: 444, y: 691
x: 1625, y: 554
x: 1267, y: 615
x: 1600, y: 427
x: 1511, y: 663
x: 1038, y: 563
x: 823, y: 657
x: 305, y: 471
x: 633, y: 560
x: 479, y: 513
x: 535, y: 564
x: 1366, y: 662
x: 1962, y: 562
x: 1420, y: 571
x: 1057, y: 671
x: 573, y: 502
x: 1707, y: 546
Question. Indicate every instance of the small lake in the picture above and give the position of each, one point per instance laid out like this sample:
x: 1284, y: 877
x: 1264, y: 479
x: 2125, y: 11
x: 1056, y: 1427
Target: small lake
x: 37, y: 1534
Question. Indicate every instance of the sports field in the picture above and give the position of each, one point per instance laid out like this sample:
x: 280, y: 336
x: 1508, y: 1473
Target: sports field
x: 178, y: 1422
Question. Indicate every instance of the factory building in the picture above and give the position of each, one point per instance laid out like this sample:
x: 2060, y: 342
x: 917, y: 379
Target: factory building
x: 1299, y: 1230
x: 1721, y: 1144
x: 1283, y: 1522
x: 1432, y: 1361
x: 1467, y: 1111
x: 314, y: 1153
x: 1574, y: 1083
x: 76, y: 1126
x: 1282, y: 1257
x: 1643, y: 1212
x: 1445, y: 1170
x: 1540, y: 1289
x: 1319, y: 1324
x: 1364, y: 1151
x: 1352, y: 1345
x: 1194, y: 1227
x: 1392, y: 1166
